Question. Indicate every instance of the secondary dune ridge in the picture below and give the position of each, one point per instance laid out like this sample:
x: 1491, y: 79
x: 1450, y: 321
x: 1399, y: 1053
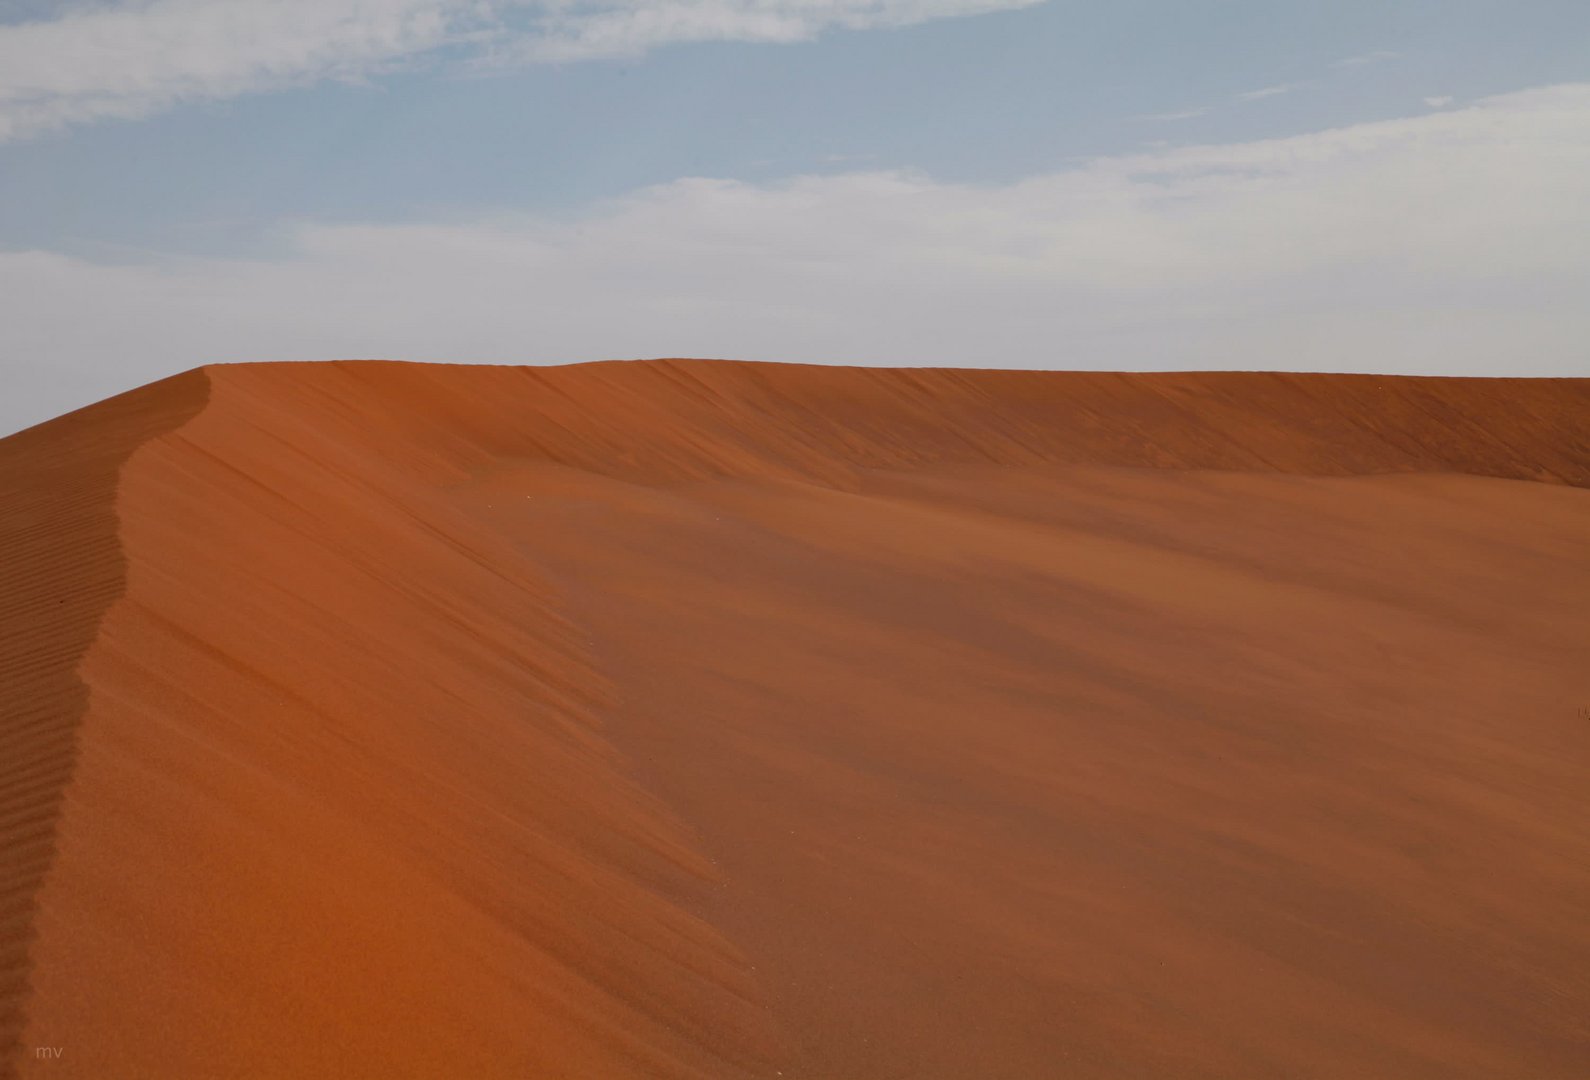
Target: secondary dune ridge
x: 689, y: 718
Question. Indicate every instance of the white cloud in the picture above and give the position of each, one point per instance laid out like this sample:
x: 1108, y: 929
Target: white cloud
x: 136, y: 57
x: 128, y: 61
x: 1456, y: 241
x: 1439, y: 102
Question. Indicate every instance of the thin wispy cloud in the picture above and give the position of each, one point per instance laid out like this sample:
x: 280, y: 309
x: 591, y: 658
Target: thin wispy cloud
x: 1447, y: 242
x: 562, y: 31
x: 1166, y: 117
x: 1268, y: 92
x: 1440, y: 102
x: 1263, y: 92
x: 131, y: 59
x: 1379, y: 56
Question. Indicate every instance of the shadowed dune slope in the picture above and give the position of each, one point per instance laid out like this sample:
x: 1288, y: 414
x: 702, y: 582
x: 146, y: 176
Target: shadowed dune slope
x: 60, y: 569
x: 702, y: 719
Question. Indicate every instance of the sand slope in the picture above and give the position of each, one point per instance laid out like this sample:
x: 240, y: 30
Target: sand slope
x: 690, y: 719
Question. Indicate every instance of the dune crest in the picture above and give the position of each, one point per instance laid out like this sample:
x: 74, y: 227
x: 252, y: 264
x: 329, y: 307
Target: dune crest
x: 702, y: 719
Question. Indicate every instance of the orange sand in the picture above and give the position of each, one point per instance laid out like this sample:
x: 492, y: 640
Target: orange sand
x: 691, y: 719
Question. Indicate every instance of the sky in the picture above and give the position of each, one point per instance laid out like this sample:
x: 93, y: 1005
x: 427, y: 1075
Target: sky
x: 1140, y: 184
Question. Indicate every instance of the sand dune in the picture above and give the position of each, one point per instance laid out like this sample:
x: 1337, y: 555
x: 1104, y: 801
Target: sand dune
x: 695, y: 719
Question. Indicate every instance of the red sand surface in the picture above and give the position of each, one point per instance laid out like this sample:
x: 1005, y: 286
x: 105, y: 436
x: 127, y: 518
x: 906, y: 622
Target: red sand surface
x: 694, y: 719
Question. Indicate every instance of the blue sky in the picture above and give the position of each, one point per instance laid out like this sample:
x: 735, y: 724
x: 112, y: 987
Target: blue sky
x: 1138, y: 184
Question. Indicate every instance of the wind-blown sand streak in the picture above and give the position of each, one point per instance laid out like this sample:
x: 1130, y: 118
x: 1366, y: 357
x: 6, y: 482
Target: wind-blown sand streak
x: 703, y: 719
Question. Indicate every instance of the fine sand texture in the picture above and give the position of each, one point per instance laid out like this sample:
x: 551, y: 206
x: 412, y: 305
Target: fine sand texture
x: 696, y: 719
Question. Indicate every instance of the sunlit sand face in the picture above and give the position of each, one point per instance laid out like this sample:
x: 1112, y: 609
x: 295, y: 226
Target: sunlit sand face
x: 698, y: 720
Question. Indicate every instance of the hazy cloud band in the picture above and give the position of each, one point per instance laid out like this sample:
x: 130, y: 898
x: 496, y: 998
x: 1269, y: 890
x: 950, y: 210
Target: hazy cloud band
x: 1451, y: 242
